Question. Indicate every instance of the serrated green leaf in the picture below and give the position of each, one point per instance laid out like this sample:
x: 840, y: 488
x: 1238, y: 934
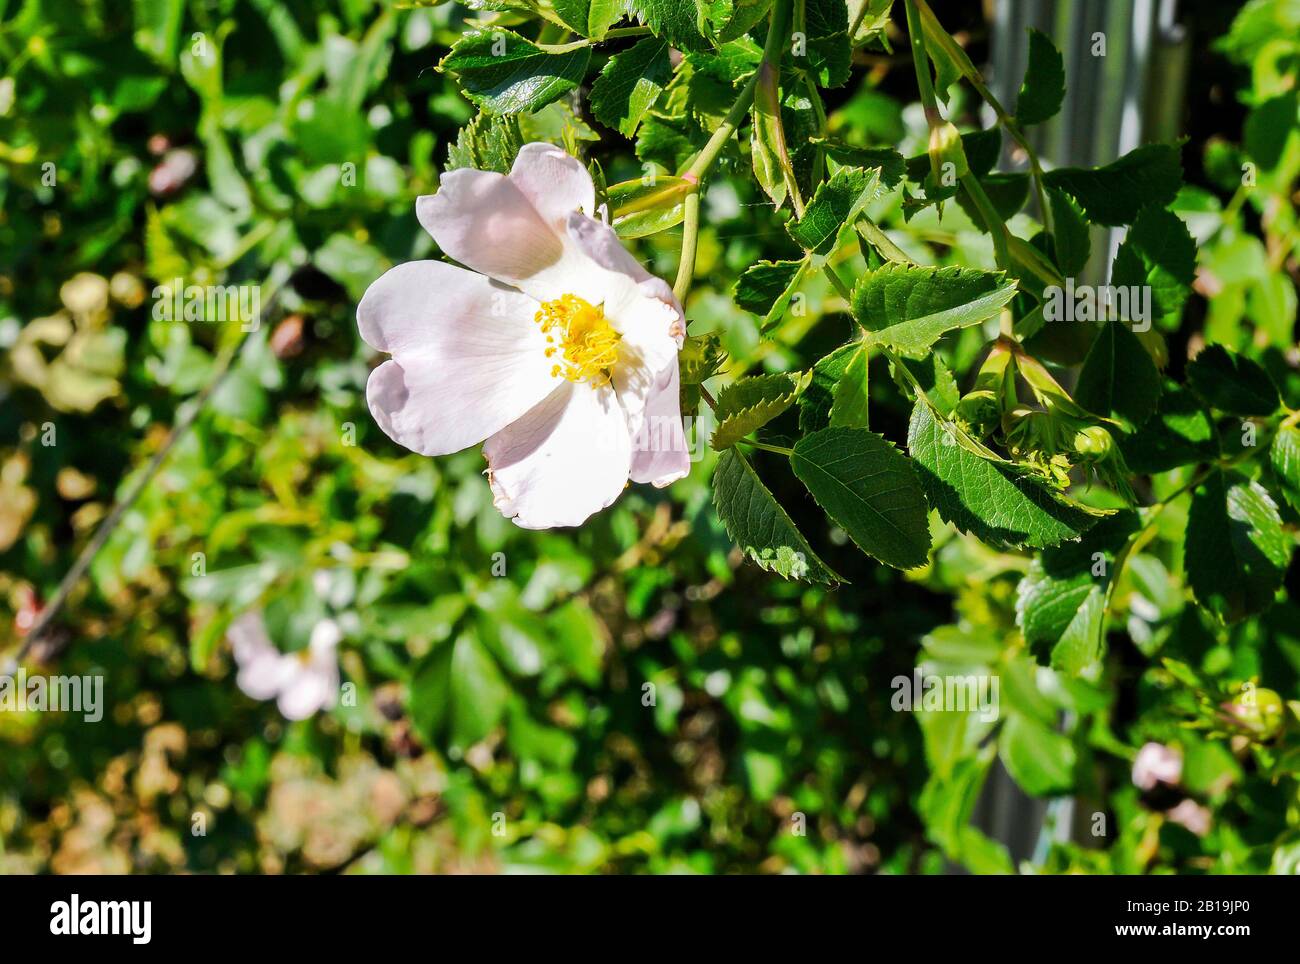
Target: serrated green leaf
x: 1284, y: 455
x: 837, y: 203
x: 1179, y: 433
x: 757, y: 523
x: 1072, y: 239
x: 487, y: 143
x: 505, y: 74
x: 1114, y: 193
x: 991, y: 500
x: 909, y: 308
x: 1232, y: 383
x: 590, y: 18
x: 1060, y: 604
x: 738, y: 18
x: 1237, y: 551
x: 1043, y: 88
x: 1158, y: 251
x: 1118, y: 379
x: 870, y: 489
x: 766, y: 288
x: 890, y: 163
x: 849, y: 409
x: 677, y: 21
x: 750, y: 403
x: 630, y: 83
x: 819, y: 397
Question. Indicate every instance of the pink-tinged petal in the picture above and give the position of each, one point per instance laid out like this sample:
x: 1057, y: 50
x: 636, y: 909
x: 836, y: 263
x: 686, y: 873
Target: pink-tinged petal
x: 312, y: 686
x: 659, y: 451
x: 599, y: 242
x: 565, y: 460
x: 554, y: 181
x: 483, y: 220
x: 641, y: 307
x: 261, y: 665
x: 468, y: 356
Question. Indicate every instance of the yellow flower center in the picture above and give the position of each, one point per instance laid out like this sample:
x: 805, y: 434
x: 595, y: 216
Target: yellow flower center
x: 579, y: 339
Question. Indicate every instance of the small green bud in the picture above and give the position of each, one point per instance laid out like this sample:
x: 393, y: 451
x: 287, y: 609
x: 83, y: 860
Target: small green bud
x: 1093, y: 443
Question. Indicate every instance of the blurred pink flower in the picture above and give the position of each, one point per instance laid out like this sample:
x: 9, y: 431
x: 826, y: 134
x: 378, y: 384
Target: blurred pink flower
x: 1157, y: 763
x: 301, y: 683
x: 1191, y: 815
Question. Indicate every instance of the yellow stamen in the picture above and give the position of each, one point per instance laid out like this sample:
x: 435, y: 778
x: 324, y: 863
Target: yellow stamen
x: 587, y: 347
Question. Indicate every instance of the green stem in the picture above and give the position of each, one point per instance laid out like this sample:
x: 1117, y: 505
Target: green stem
x: 992, y: 220
x: 777, y: 449
x: 837, y: 283
x: 690, y: 235
x: 709, y: 153
x: 881, y: 241
x: 921, y: 62
x: 1013, y: 128
x: 614, y: 34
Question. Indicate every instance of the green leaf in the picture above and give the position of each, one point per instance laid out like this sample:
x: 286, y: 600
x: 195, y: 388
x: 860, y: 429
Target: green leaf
x: 677, y: 21
x: 1237, y: 551
x: 850, y: 406
x: 1284, y: 454
x: 1115, y: 193
x: 458, y: 686
x: 505, y: 74
x: 1118, y: 379
x: 590, y: 18
x: 478, y: 691
x: 1006, y: 192
x: 888, y: 160
x: 935, y: 379
x: 909, y: 308
x: 157, y: 27
x: 487, y: 143
x: 766, y: 288
x: 1179, y: 433
x: 758, y: 524
x: 1038, y: 758
x: 647, y: 205
x: 993, y: 500
x: 1232, y: 383
x: 869, y: 488
x: 838, y: 202
x: 629, y: 84
x: 1060, y: 605
x: 1158, y: 251
x: 738, y: 17
x: 818, y: 398
x: 1043, y: 88
x: 750, y: 403
x: 1072, y: 239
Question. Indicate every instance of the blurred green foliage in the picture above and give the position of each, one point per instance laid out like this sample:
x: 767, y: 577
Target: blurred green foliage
x: 629, y: 696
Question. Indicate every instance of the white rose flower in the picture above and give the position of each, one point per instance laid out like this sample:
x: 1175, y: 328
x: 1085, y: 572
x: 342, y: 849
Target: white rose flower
x: 301, y: 683
x: 557, y: 347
